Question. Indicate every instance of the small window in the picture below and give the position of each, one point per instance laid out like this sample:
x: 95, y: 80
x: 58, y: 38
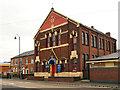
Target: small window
x: 74, y: 61
x: 74, y: 68
x: 83, y: 38
x: 92, y: 56
x: 83, y: 62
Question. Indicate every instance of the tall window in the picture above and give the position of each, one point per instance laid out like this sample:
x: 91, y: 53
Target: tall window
x: 102, y: 43
x: 31, y: 69
x: 108, y: 46
x: 87, y: 57
x: 83, y: 62
x: 16, y: 69
x: 26, y: 70
x: 87, y: 39
x: 15, y: 62
x: 63, y: 65
x: 112, y: 47
x: 92, y: 42
x: 32, y: 60
x: 59, y: 38
x: 99, y: 42
x: 83, y: 38
x: 74, y: 68
x: 38, y: 47
x: 74, y: 42
x: 48, y: 40
x: 95, y: 41
x: 53, y: 39
x: 37, y: 64
x: 26, y: 60
x: 20, y: 61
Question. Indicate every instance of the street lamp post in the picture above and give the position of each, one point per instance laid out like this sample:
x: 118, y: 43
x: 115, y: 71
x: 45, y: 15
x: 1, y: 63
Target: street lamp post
x: 19, y: 53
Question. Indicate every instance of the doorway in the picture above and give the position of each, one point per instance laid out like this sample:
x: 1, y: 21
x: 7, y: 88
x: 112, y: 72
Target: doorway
x: 52, y: 67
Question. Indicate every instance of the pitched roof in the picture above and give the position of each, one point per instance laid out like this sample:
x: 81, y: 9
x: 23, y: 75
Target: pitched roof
x: 107, y: 57
x: 71, y: 20
x: 28, y: 53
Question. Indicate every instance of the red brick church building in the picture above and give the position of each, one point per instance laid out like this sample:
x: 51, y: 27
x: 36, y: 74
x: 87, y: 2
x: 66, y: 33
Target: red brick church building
x: 63, y: 45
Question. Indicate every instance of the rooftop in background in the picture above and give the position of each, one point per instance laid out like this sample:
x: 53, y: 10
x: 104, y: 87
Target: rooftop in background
x: 107, y: 57
x: 27, y: 53
x: 4, y: 63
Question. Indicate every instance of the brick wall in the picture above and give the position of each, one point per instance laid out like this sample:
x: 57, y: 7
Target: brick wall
x: 104, y: 74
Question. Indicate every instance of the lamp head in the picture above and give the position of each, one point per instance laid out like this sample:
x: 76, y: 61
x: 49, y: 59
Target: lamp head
x: 15, y: 38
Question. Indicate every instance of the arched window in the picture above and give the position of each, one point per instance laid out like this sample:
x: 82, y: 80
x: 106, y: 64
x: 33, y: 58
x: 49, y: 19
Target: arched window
x: 74, y: 42
x: 59, y: 38
x: 83, y: 38
x: 48, y: 41
x: 53, y: 39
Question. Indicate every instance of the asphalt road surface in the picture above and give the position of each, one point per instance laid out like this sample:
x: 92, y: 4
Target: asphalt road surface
x: 18, y: 84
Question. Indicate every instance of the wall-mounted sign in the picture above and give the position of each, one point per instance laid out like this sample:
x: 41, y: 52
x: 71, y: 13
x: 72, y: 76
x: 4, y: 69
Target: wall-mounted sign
x: 47, y: 66
x: 59, y: 68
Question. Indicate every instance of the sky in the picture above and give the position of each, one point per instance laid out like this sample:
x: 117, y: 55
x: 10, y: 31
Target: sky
x: 24, y: 17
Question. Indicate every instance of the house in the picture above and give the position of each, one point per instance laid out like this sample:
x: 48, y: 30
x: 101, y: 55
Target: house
x: 4, y: 69
x: 63, y: 45
x: 105, y: 68
x: 26, y: 63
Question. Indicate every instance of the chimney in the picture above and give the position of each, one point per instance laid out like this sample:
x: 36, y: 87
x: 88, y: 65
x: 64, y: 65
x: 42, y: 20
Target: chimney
x: 92, y: 27
x: 108, y: 33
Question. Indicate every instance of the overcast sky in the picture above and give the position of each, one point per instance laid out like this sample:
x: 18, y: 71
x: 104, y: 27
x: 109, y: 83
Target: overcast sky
x: 24, y: 17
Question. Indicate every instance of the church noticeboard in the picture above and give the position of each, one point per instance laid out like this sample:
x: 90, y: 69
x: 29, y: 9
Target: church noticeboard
x: 59, y: 68
x: 47, y: 66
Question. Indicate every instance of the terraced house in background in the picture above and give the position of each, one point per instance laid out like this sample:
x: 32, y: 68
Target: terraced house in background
x: 26, y: 63
x: 63, y: 45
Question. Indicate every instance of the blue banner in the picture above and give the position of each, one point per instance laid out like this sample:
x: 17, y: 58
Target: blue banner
x: 59, y: 68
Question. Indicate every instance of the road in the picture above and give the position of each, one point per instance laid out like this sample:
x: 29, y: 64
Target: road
x: 44, y: 85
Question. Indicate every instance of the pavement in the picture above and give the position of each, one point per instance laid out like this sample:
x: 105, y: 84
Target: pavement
x: 84, y: 85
